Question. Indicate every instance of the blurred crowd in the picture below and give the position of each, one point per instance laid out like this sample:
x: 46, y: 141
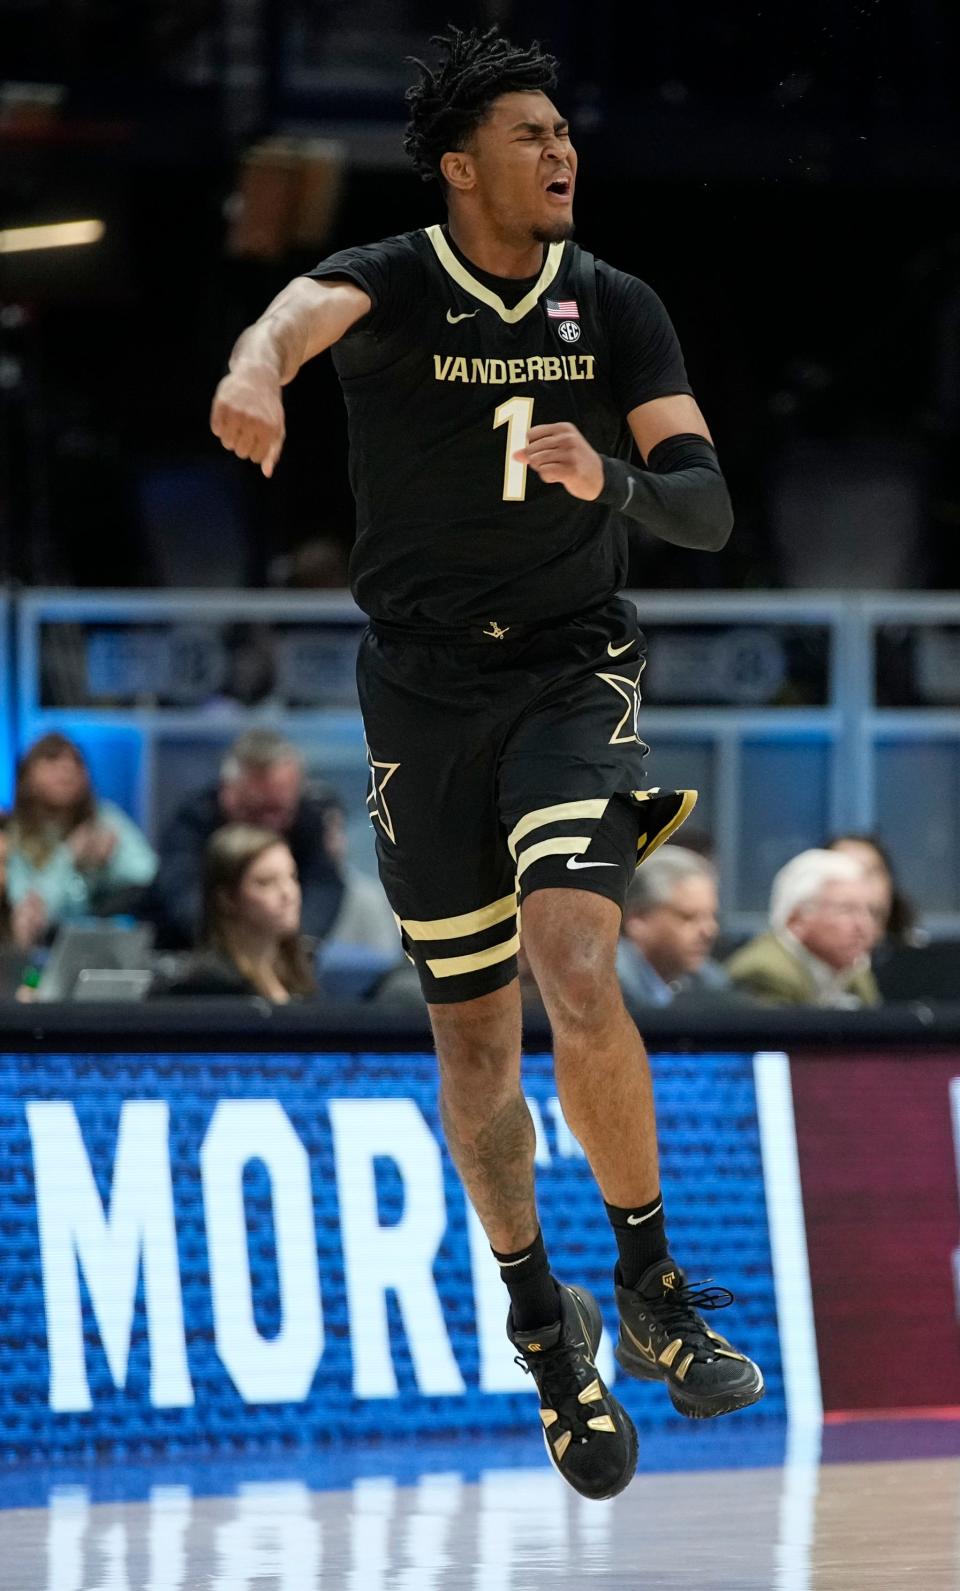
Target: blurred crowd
x: 250, y: 891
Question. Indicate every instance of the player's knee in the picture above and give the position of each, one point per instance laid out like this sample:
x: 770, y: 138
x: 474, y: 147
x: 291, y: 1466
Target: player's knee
x: 580, y: 990
x: 468, y: 1064
x: 478, y: 1042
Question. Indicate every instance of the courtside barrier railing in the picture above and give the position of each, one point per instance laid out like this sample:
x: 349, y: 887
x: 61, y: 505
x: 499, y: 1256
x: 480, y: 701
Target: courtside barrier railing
x: 794, y: 716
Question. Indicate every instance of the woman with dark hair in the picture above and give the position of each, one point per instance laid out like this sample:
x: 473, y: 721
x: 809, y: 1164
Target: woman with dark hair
x: 250, y: 941
x: 893, y: 913
x: 74, y: 851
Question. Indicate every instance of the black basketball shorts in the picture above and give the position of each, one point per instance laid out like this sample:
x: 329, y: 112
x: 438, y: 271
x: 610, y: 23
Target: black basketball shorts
x: 502, y: 764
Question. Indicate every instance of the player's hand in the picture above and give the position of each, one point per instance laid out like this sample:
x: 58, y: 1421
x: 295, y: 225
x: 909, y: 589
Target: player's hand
x: 562, y: 453
x: 247, y: 416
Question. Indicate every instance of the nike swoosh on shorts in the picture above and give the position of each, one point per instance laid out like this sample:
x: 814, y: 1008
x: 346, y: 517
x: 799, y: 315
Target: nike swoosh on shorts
x: 616, y: 650
x: 467, y: 315
x: 575, y: 862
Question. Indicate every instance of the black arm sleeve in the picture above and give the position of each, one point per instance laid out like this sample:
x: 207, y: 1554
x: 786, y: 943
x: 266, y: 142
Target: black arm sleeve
x: 681, y: 496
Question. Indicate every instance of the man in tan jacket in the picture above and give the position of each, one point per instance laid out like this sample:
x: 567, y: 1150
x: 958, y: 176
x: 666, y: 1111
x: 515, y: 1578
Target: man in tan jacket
x: 821, y: 932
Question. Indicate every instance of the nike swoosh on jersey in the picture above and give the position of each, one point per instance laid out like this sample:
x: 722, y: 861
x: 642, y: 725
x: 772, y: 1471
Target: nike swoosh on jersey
x: 574, y: 862
x: 467, y: 315
x: 616, y: 650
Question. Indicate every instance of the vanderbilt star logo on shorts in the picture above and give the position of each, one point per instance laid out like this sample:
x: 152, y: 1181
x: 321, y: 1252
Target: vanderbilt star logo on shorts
x: 495, y: 633
x: 629, y: 688
x: 376, y: 801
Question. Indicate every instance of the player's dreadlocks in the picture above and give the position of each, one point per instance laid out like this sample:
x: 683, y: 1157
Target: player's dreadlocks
x: 450, y: 101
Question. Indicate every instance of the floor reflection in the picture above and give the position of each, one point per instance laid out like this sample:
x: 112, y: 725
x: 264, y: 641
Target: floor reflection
x: 802, y: 1524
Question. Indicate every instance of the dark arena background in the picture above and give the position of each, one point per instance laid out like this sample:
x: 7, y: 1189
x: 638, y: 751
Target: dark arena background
x: 251, y: 1333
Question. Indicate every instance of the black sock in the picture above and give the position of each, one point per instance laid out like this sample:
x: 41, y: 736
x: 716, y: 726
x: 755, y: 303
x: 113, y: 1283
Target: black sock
x: 534, y: 1296
x: 640, y: 1237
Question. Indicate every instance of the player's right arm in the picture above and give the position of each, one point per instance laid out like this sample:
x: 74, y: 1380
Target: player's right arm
x: 303, y: 320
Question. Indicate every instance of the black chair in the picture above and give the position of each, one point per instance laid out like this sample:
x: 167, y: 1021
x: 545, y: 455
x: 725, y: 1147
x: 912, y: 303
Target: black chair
x: 920, y: 972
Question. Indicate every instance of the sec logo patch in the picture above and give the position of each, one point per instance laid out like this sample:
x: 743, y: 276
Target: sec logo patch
x: 569, y: 331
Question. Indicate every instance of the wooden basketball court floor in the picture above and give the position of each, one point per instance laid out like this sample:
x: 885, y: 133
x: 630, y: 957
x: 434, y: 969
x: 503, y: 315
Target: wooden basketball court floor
x: 875, y: 1505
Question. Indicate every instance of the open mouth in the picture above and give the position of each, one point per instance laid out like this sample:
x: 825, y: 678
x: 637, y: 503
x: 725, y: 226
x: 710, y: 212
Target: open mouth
x: 561, y: 187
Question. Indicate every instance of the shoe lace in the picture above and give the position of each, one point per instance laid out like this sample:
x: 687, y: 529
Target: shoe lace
x: 559, y: 1376
x: 678, y: 1310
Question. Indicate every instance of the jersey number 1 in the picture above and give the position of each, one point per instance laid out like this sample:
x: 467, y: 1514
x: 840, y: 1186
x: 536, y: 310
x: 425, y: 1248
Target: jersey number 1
x: 516, y: 414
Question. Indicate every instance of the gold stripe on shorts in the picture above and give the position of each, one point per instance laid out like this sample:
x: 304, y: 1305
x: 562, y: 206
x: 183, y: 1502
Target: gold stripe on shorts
x: 460, y: 927
x: 452, y: 966
x: 560, y: 845
x: 560, y: 813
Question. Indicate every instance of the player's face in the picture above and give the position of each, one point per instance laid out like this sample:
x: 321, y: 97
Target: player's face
x: 525, y: 168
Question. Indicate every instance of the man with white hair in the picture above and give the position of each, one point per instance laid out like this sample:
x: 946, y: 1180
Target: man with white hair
x: 818, y: 949
x: 669, y: 929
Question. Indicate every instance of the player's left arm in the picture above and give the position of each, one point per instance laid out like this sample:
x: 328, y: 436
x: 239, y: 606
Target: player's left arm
x: 681, y: 496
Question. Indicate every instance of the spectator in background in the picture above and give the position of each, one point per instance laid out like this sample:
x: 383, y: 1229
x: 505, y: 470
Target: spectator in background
x: 261, y: 783
x: 25, y: 924
x: 821, y: 931
x: 250, y: 939
x: 364, y: 918
x: 895, y: 921
x: 669, y: 928
x: 78, y: 855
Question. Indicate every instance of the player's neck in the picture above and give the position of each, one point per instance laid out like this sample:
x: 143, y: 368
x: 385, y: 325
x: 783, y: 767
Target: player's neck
x: 495, y: 255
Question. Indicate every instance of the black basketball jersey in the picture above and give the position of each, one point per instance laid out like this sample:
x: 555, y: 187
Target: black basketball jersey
x: 442, y: 381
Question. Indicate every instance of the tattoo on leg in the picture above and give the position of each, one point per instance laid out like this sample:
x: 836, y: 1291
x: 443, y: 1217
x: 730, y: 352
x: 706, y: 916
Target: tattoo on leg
x: 495, y: 1162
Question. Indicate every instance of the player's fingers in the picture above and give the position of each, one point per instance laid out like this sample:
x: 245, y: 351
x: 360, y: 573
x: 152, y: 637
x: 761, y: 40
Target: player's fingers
x: 257, y: 441
x: 228, y: 428
x: 556, y: 428
x: 233, y: 425
x: 264, y: 438
x: 230, y: 432
x: 555, y: 467
x: 552, y: 446
x: 269, y: 464
x: 244, y: 444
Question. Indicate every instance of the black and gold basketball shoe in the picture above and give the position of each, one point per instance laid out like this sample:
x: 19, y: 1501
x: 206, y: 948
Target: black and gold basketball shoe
x: 591, y: 1440
x: 664, y: 1338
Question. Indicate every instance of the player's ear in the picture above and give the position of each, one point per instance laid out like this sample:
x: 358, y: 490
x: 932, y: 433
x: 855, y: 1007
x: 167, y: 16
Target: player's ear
x: 457, y: 170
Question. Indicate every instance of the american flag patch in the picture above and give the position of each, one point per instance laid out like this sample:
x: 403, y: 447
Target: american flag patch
x: 566, y: 309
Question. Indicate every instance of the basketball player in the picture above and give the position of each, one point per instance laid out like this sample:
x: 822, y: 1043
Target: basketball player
x: 495, y: 376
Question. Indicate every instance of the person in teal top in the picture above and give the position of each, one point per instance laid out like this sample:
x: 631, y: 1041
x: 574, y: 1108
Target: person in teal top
x: 71, y: 851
